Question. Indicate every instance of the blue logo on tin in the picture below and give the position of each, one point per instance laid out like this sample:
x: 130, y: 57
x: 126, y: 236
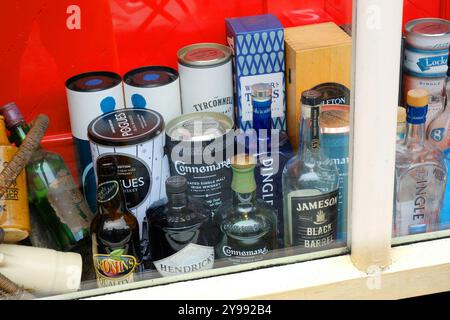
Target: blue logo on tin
x: 108, y: 104
x: 138, y: 101
x: 431, y: 62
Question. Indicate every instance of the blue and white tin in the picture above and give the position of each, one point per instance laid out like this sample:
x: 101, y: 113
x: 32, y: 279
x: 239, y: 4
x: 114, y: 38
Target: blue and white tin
x: 155, y: 88
x: 90, y: 95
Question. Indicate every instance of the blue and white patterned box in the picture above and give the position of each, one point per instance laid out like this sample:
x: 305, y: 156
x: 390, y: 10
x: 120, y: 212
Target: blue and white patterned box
x: 257, y: 43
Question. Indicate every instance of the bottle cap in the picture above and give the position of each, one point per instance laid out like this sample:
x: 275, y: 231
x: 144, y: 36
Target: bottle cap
x: 243, y: 161
x: 261, y: 91
x: 176, y: 184
x: 417, y: 98
x: 311, y: 98
x: 12, y: 114
x: 401, y: 115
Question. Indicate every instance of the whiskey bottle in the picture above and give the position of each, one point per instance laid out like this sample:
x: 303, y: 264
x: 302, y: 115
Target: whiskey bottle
x: 248, y: 224
x: 114, y: 230
x: 179, y: 232
x: 310, y: 184
x: 52, y: 191
x: 272, y: 149
x: 420, y: 173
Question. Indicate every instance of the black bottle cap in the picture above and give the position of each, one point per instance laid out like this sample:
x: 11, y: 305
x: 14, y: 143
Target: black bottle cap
x: 176, y: 184
x: 311, y: 98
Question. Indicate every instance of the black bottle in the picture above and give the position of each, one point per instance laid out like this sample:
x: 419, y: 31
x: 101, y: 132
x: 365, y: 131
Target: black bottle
x: 115, y: 232
x: 181, y: 233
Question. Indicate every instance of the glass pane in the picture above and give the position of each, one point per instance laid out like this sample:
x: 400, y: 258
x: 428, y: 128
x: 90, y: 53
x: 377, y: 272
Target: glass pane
x: 422, y: 205
x: 178, y: 147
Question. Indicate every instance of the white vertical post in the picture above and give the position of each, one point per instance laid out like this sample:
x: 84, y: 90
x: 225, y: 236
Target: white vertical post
x: 377, y: 27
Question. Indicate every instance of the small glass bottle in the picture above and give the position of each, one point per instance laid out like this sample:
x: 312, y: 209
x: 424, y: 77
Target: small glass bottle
x: 114, y: 230
x: 420, y: 173
x: 248, y: 224
x: 51, y: 189
x: 310, y: 184
x: 179, y: 232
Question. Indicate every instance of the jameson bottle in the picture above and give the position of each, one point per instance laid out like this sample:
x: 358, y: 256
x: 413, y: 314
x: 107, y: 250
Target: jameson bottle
x: 180, y: 236
x: 272, y: 150
x: 249, y: 224
x: 114, y: 230
x: 51, y: 189
x: 420, y: 173
x: 310, y: 185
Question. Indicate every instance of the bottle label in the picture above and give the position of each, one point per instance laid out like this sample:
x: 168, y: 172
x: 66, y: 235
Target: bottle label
x: 241, y: 255
x: 114, y: 268
x: 313, y: 218
x: 107, y: 191
x: 191, y: 258
x: 68, y: 203
x: 276, y: 79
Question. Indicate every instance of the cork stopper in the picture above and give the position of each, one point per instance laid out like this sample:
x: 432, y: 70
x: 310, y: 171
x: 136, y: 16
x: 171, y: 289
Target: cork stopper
x: 12, y: 115
x: 401, y: 115
x: 243, y: 161
x: 417, y: 98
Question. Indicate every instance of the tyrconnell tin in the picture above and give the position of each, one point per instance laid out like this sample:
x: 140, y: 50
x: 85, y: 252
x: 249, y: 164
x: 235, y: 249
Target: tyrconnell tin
x: 206, y: 78
x: 200, y: 146
x: 135, y: 137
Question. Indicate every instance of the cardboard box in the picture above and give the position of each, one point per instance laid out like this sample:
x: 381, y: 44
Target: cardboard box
x: 315, y: 54
x: 257, y: 43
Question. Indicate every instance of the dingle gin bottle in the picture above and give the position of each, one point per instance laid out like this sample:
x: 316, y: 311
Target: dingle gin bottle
x: 310, y: 185
x: 420, y: 173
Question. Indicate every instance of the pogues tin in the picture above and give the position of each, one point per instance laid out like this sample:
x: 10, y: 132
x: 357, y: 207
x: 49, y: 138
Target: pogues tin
x: 200, y: 146
x: 90, y: 95
x: 155, y: 88
x: 135, y: 137
x: 206, y: 78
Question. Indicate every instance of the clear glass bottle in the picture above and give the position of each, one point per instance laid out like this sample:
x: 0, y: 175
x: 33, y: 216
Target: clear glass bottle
x: 248, y: 224
x: 420, y: 173
x: 180, y: 236
x: 310, y: 184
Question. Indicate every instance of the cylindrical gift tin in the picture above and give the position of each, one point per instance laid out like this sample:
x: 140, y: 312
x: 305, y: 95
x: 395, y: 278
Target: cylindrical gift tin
x: 206, y: 78
x: 200, y: 146
x: 155, y: 88
x: 135, y: 137
x: 335, y: 127
x: 90, y: 95
x: 435, y: 87
x: 426, y: 62
x: 428, y: 34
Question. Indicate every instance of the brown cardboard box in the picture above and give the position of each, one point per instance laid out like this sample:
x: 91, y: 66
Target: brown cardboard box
x: 315, y: 54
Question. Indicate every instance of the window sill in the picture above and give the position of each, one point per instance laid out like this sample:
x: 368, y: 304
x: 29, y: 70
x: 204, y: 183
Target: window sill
x: 416, y: 269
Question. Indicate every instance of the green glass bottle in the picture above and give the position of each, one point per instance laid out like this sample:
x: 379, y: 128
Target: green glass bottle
x: 52, y: 191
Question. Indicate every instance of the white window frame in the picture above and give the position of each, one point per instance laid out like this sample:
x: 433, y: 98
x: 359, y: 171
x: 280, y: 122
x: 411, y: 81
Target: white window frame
x: 373, y: 269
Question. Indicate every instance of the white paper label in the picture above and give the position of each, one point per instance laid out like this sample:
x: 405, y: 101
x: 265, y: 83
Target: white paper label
x: 191, y: 258
x: 276, y: 80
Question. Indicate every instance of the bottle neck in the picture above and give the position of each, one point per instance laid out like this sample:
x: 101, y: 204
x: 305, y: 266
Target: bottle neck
x: 176, y: 201
x: 110, y: 196
x: 262, y: 117
x: 19, y: 133
x: 243, y: 186
x: 309, y: 130
x: 415, y: 129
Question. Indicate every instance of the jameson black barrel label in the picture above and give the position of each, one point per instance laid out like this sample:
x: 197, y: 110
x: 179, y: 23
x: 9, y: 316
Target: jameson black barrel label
x: 314, y: 218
